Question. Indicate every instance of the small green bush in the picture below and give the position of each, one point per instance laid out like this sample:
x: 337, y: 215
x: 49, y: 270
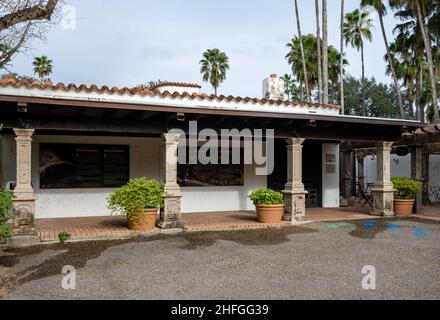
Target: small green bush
x: 136, y: 195
x: 266, y: 197
x: 5, y: 232
x: 406, y: 188
x: 63, y: 236
x: 5, y: 205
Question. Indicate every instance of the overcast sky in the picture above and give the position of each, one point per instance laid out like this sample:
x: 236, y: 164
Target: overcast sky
x: 125, y: 43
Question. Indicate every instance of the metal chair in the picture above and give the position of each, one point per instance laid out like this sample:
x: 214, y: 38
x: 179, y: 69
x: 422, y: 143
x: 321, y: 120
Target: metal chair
x: 366, y: 195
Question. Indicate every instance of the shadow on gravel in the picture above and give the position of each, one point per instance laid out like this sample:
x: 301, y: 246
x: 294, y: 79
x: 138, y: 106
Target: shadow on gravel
x: 270, y: 236
x: 78, y: 253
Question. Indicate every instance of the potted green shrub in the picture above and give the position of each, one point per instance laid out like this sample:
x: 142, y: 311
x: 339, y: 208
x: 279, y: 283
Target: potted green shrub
x: 269, y: 205
x: 405, y: 190
x: 139, y: 200
x: 5, y: 207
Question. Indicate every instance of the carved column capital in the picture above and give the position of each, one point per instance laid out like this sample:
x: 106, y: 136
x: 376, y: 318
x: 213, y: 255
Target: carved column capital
x: 295, y: 141
x: 171, y: 138
x: 24, y: 134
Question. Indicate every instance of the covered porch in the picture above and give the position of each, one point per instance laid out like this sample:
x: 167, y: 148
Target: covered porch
x: 122, y: 126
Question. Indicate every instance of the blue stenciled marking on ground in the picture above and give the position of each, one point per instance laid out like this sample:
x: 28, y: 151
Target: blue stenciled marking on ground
x: 420, y: 232
x: 393, y: 227
x: 369, y: 224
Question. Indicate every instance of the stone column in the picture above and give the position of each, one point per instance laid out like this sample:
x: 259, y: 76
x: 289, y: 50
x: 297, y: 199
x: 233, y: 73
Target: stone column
x: 416, y: 173
x: 23, y: 206
x: 170, y: 215
x: 383, y: 192
x: 294, y: 193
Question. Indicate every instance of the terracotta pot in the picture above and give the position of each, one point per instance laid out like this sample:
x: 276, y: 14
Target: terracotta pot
x: 147, y: 221
x: 403, y: 208
x: 270, y: 214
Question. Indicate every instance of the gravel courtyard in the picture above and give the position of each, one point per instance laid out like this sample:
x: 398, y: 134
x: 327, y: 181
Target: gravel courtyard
x: 313, y: 261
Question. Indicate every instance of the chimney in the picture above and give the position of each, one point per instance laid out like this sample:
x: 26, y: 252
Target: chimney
x: 273, y: 88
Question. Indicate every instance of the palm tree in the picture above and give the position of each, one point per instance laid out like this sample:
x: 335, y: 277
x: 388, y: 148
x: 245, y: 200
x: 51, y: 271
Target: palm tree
x: 420, y: 10
x: 342, y: 57
x: 214, y: 66
x: 290, y: 87
x: 379, y: 6
x: 298, y: 25
x: 310, y: 45
x: 42, y: 67
x: 324, y: 52
x: 405, y: 67
x: 318, y: 47
x: 409, y: 37
x: 357, y: 28
x: 287, y: 80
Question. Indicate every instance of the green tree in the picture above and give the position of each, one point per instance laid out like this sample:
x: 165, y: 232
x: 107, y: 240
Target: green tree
x: 358, y: 27
x: 410, y: 38
x: 42, y: 67
x: 214, y: 66
x: 381, y: 101
x: 310, y: 45
x: 290, y: 87
x: 379, y: 6
x: 423, y: 9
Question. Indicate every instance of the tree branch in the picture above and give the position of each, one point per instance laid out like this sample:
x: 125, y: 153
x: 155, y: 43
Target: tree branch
x: 38, y: 12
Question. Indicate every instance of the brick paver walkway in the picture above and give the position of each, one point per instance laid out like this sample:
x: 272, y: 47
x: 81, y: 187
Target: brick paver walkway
x: 116, y: 227
x: 86, y: 228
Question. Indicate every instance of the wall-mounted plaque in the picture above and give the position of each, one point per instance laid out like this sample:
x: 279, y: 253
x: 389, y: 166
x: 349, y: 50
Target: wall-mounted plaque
x: 330, y: 168
x: 330, y: 157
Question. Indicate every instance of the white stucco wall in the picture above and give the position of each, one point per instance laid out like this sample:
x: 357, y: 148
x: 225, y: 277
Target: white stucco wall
x: 401, y: 166
x: 330, y: 180
x: 145, y: 160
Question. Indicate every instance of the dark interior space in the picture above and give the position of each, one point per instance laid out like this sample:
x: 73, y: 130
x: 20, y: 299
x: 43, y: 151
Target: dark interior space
x: 312, y: 170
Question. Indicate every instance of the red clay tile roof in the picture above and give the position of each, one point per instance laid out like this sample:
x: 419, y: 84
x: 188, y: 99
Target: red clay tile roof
x: 153, y: 93
x: 175, y: 84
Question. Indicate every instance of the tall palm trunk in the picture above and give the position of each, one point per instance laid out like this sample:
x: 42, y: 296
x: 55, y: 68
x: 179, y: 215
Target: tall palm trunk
x: 364, y: 110
x: 318, y: 49
x: 324, y: 52
x: 427, y: 44
x: 421, y: 107
x: 303, y: 58
x: 410, y: 94
x: 342, y: 59
x: 393, y: 71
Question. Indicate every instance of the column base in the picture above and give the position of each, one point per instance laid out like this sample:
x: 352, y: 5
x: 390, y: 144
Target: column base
x: 383, y: 202
x: 294, y: 205
x: 23, y: 237
x: 170, y: 215
x: 23, y: 210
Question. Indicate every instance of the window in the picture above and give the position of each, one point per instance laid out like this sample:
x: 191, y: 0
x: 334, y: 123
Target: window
x: 83, y: 166
x: 211, y: 175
